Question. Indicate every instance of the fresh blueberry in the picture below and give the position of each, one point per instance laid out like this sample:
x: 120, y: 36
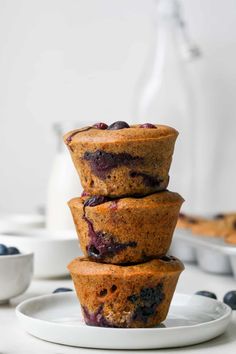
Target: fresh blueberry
x: 206, y: 293
x: 95, y: 200
x: 230, y: 299
x: 118, y: 125
x: 3, y: 250
x: 13, y: 250
x: 148, y: 125
x: 61, y: 290
x: 102, y: 126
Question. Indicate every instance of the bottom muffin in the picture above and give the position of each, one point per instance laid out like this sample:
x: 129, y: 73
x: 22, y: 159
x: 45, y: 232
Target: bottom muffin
x: 125, y: 295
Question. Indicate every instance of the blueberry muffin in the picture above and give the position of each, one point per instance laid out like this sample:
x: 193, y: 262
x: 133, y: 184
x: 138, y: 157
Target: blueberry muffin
x: 122, y: 160
x: 127, y: 229
x: 219, y: 225
x: 125, y: 296
x: 186, y: 221
x: 230, y: 238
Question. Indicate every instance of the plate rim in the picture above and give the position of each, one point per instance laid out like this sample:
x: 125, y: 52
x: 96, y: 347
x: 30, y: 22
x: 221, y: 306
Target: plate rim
x: 20, y: 315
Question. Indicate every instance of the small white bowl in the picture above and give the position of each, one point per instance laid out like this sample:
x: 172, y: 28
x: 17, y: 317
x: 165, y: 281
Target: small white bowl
x: 53, y: 250
x: 16, y: 272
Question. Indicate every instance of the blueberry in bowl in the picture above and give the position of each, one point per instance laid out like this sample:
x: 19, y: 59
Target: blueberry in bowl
x: 8, y: 251
x: 3, y: 250
x: 16, y: 271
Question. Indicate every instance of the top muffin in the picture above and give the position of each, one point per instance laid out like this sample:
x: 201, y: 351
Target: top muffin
x: 122, y: 160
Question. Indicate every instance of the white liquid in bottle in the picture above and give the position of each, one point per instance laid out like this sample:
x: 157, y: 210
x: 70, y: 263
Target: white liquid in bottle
x: 64, y: 183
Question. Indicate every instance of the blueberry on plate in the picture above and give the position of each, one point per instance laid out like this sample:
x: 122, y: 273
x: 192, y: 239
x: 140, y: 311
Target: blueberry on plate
x: 3, y: 250
x: 230, y: 299
x: 61, y: 290
x: 206, y: 293
x: 118, y: 125
x: 13, y: 250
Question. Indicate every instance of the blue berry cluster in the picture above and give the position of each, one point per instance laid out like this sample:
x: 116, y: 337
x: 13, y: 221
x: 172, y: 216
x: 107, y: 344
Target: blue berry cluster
x: 8, y: 251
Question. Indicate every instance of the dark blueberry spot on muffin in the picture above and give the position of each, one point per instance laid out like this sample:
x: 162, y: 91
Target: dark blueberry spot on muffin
x: 104, y: 245
x: 148, y: 180
x: 12, y: 251
x: 118, y: 125
x: 234, y: 224
x: 97, y: 318
x: 100, y: 125
x: 182, y: 216
x: 113, y: 288
x: 103, y: 292
x: 102, y: 163
x: 219, y: 216
x: 93, y: 251
x: 192, y: 220
x: 132, y: 298
x: 148, y: 301
x: 148, y: 125
x: 95, y: 200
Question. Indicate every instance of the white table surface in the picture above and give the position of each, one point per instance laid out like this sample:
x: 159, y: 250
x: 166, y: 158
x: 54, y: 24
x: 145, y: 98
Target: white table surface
x: 13, y: 339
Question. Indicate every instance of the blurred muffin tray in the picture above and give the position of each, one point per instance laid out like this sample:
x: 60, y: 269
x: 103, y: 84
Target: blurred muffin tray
x: 212, y: 254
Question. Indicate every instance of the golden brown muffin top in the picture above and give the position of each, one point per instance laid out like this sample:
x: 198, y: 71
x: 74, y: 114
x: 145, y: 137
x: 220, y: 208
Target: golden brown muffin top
x: 92, y: 134
x: 149, y: 201
x: 166, y: 264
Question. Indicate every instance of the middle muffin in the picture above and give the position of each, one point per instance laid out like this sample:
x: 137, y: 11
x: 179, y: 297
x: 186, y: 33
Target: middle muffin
x: 126, y: 230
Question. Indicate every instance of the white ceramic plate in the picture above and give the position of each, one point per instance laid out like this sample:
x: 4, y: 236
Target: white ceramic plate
x: 57, y: 318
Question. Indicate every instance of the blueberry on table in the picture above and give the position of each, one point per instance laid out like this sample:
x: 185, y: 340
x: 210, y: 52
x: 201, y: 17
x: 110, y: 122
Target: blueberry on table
x: 3, y: 250
x: 13, y: 250
x: 230, y: 299
x: 118, y: 125
x: 61, y: 290
x: 206, y: 293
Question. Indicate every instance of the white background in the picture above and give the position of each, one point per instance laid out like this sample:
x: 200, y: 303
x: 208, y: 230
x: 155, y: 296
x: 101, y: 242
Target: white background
x: 80, y: 59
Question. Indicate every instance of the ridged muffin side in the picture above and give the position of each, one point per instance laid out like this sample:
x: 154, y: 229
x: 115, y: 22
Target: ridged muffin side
x: 125, y: 296
x: 126, y: 230
x: 130, y: 161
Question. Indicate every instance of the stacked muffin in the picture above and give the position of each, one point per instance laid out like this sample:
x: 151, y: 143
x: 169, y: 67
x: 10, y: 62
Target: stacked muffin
x: 125, y: 220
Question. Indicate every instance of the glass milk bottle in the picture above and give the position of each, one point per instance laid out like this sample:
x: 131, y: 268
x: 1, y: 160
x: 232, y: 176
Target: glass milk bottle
x: 64, y: 182
x: 165, y: 96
